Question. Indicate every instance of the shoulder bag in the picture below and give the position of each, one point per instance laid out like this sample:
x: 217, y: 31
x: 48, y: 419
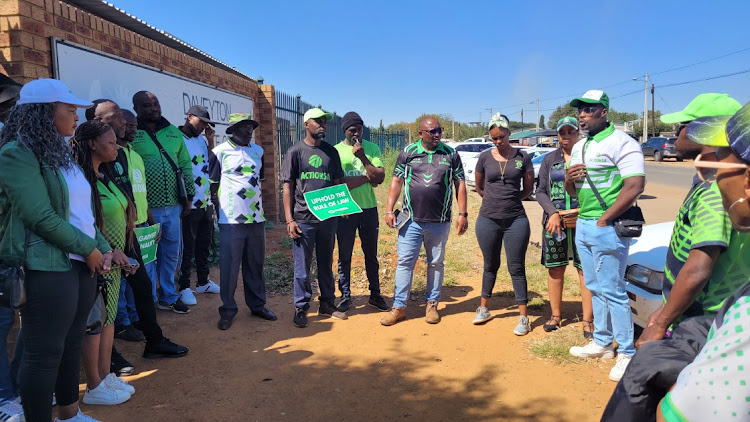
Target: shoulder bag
x: 13, y: 281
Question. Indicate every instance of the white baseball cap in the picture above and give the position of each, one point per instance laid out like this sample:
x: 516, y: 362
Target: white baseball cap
x: 42, y: 91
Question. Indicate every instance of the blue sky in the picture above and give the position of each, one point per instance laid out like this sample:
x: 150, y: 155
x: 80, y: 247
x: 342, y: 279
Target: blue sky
x: 393, y: 60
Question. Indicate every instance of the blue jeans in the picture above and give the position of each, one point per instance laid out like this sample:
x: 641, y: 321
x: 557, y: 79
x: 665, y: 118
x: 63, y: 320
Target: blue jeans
x: 410, y: 239
x: 604, y: 257
x: 168, y: 253
x: 7, y: 318
x: 126, y: 313
x: 320, y: 238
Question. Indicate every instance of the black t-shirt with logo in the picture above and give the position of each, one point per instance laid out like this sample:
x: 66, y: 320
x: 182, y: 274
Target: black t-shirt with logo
x: 310, y: 168
x: 121, y: 175
x: 502, y: 190
x: 428, y: 179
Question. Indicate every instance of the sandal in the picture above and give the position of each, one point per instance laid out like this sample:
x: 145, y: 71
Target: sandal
x: 552, y: 327
x: 590, y: 325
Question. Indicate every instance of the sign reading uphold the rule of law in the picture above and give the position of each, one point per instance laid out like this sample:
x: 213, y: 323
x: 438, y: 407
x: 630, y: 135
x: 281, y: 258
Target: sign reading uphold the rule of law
x: 147, y: 240
x: 331, y: 202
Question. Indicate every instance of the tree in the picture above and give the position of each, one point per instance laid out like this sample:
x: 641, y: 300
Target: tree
x: 541, y: 121
x: 660, y: 127
x: 560, y: 112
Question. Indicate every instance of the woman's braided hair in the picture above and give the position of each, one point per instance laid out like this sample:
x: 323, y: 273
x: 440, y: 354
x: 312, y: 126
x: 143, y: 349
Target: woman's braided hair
x: 32, y: 125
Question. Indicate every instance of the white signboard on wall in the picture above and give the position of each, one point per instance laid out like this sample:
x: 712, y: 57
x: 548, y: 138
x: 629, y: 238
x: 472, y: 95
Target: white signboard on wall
x: 92, y: 75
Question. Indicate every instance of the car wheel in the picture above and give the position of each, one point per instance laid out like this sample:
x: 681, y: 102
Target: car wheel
x: 657, y: 156
x: 679, y: 159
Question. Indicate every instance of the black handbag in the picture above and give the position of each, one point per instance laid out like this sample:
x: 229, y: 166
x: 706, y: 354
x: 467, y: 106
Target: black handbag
x: 98, y: 313
x: 13, y: 281
x: 182, y: 195
x: 628, y: 224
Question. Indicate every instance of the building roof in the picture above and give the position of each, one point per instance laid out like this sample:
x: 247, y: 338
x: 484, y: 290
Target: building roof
x: 124, y: 19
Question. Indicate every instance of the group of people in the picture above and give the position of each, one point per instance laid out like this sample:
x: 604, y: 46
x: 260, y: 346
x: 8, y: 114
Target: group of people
x: 71, y: 211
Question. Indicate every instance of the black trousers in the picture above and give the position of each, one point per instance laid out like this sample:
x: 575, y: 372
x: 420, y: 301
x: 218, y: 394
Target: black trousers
x: 54, y: 323
x: 197, y: 234
x: 490, y: 235
x: 144, y: 301
x: 242, y: 244
x: 367, y: 223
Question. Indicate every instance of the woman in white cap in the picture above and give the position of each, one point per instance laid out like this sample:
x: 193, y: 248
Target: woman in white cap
x: 47, y: 225
x: 558, y: 235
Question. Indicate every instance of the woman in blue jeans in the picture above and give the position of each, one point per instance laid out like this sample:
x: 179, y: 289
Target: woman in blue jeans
x: 500, y: 173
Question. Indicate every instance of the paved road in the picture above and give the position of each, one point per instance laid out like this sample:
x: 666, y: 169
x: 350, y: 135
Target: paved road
x: 669, y: 174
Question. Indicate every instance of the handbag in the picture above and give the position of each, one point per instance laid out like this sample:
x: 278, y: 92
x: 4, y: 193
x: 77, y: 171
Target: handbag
x: 629, y: 223
x: 13, y: 281
x: 182, y: 195
x: 569, y: 217
x: 98, y: 313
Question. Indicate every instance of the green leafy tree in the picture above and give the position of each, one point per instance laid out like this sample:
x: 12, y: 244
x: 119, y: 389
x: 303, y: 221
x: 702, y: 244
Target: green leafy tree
x: 541, y: 121
x: 660, y: 127
x: 560, y: 112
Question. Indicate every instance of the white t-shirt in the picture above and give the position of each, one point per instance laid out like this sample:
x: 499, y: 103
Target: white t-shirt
x: 238, y: 170
x: 79, y: 198
x: 611, y: 156
x: 198, y: 150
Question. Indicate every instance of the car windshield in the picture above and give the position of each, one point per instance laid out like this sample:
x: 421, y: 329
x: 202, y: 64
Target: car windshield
x: 538, y: 156
x: 473, y: 147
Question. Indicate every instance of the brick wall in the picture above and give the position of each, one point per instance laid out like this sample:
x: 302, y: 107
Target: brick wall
x: 25, y: 54
x: 267, y: 135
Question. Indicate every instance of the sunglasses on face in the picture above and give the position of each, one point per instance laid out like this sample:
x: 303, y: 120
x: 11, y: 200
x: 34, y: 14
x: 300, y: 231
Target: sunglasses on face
x: 708, y: 164
x: 588, y: 110
x: 436, y: 131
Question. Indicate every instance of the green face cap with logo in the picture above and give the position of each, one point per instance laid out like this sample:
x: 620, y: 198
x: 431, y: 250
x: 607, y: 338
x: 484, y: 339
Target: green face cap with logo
x: 236, y: 119
x: 314, y: 113
x: 723, y: 131
x: 592, y: 96
x: 567, y: 121
x: 704, y: 105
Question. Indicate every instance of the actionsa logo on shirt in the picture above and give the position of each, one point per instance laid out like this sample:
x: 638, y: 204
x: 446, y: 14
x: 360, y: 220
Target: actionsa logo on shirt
x: 315, y: 161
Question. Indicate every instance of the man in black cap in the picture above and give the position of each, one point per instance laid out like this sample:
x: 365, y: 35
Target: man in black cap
x: 198, y: 225
x: 363, y: 170
x: 9, y: 90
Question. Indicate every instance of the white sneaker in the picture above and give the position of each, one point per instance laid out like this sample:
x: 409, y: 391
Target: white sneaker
x: 615, y: 374
x: 593, y: 350
x: 187, y: 297
x: 116, y: 383
x: 11, y: 411
x: 209, y: 287
x: 105, y: 395
x: 80, y: 417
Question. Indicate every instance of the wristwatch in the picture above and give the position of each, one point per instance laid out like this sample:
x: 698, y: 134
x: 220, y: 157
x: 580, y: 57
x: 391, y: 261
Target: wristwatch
x: 463, y: 214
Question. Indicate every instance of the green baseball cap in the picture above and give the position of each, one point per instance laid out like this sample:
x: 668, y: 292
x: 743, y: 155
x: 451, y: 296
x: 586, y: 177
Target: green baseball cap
x: 723, y: 131
x: 704, y: 105
x: 592, y: 96
x: 240, y: 118
x: 314, y: 113
x: 567, y: 121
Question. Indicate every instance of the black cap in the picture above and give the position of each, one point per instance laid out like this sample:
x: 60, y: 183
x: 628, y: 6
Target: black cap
x: 350, y: 119
x: 202, y: 113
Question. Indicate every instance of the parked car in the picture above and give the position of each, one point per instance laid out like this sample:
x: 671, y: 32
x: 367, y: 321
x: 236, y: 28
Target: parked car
x: 470, y: 148
x: 469, y: 166
x: 537, y: 162
x: 645, y: 270
x: 661, y: 148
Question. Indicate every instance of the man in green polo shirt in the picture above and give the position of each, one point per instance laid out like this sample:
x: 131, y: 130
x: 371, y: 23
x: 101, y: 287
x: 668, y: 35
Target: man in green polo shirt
x: 610, y: 162
x: 363, y: 169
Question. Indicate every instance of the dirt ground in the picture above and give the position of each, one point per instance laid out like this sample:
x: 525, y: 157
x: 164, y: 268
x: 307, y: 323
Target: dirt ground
x: 359, y: 370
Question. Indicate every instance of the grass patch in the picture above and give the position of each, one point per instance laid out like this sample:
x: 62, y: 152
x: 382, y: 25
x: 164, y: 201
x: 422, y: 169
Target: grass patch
x: 279, y: 273
x: 537, y: 303
x: 555, y: 346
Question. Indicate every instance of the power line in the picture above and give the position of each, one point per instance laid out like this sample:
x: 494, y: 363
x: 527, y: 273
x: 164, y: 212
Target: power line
x: 701, y: 62
x: 706, y: 79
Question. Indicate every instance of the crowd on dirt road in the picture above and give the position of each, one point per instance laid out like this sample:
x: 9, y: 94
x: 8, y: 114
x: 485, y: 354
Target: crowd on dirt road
x: 102, y: 222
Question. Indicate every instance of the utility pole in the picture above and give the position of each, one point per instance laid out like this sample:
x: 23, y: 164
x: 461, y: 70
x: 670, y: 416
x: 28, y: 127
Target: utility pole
x: 653, y: 113
x: 537, y: 114
x: 521, y: 118
x: 645, y: 111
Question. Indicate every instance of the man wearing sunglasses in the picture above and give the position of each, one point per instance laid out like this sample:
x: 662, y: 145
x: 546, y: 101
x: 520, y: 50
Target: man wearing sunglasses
x: 430, y: 170
x: 607, y: 173
x: 701, y: 231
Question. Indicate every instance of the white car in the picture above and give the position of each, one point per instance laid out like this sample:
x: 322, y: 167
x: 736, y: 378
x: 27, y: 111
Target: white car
x: 645, y: 271
x: 470, y: 148
x: 469, y: 166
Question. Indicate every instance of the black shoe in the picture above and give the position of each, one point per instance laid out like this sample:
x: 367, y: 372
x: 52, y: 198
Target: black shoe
x: 265, y: 314
x: 119, y: 366
x: 345, y: 303
x: 225, y: 322
x: 177, y: 307
x: 165, y: 349
x: 329, y: 310
x: 128, y: 333
x: 377, y: 302
x: 300, y: 318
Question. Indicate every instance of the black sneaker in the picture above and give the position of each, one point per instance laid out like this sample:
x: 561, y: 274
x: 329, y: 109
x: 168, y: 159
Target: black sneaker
x: 329, y: 310
x: 300, y: 318
x: 345, y: 303
x: 377, y: 302
x: 165, y: 349
x: 225, y: 322
x: 119, y: 366
x: 177, y: 307
x: 128, y: 333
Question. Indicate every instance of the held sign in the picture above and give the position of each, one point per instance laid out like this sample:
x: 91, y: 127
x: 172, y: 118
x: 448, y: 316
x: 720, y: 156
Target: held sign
x: 331, y: 202
x: 147, y: 240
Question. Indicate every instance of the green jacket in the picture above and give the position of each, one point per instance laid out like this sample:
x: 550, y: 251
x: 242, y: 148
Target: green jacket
x: 36, y: 196
x: 161, y: 180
